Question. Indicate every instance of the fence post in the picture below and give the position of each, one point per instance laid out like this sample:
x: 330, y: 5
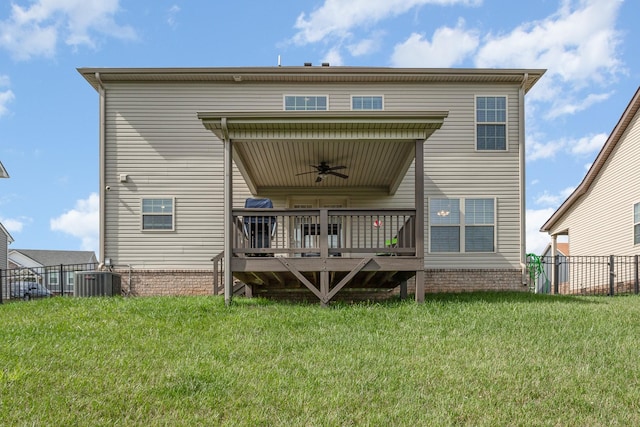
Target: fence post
x: 61, y: 280
x: 556, y: 274
x: 2, y: 281
x: 215, y: 276
x: 612, y: 274
x: 635, y: 268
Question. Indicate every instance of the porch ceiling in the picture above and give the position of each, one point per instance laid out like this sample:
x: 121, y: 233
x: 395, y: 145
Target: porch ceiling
x: 271, y: 149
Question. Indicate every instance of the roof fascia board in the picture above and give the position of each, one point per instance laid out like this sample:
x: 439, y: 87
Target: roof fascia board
x: 615, y: 136
x: 238, y: 75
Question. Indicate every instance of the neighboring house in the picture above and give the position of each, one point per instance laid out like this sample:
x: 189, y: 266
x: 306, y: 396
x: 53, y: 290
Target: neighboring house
x: 51, y: 268
x: 545, y: 279
x: 5, y: 241
x: 3, y: 172
x: 426, y: 165
x: 602, y: 215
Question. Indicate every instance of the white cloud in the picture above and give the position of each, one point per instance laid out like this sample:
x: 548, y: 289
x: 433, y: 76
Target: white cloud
x: 575, y: 106
x: 363, y: 47
x: 578, y: 45
x: 554, y: 200
x: 333, y: 57
x: 583, y: 146
x: 588, y: 144
x: 547, y: 199
x: 337, y: 18
x: 335, y: 21
x: 173, y: 12
x: 537, y: 241
x: 13, y: 225
x: 542, y: 150
x: 5, y: 98
x: 82, y: 222
x: 449, y: 47
x: 34, y: 30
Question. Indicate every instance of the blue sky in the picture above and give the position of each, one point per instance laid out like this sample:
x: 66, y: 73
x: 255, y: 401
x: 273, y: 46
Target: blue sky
x: 49, y: 114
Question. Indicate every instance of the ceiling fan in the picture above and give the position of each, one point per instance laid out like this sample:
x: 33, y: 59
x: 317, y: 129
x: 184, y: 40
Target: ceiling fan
x: 323, y: 169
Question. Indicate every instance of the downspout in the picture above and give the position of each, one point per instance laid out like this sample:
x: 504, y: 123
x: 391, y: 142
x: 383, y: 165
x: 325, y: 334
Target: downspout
x: 523, y: 209
x: 101, y: 167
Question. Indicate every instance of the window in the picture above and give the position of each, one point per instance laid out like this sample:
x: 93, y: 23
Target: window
x: 305, y: 103
x: 636, y: 224
x: 444, y: 215
x: 479, y: 219
x: 462, y: 225
x: 157, y: 214
x: 491, y: 123
x: 366, y: 102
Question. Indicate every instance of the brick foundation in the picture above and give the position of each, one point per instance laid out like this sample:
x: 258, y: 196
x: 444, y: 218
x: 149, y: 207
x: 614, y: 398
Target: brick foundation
x: 166, y: 282
x: 200, y: 282
x: 470, y: 280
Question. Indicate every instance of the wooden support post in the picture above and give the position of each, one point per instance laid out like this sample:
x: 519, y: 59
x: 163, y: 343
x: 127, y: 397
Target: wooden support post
x: 228, y: 218
x: 419, y: 229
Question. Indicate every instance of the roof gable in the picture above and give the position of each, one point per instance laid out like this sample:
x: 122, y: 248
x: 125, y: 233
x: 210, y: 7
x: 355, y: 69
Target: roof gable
x: 4, y: 230
x: 3, y: 171
x: 614, y: 138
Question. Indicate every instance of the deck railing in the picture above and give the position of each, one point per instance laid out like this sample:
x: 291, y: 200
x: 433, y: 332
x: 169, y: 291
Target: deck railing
x: 324, y: 232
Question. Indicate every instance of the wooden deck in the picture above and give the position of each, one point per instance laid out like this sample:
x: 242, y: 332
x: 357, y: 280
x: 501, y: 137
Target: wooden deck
x: 324, y: 251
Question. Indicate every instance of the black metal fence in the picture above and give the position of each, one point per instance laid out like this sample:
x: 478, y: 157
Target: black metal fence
x: 35, y: 282
x: 584, y: 275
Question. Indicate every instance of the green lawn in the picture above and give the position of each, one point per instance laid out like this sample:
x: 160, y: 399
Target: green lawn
x: 471, y: 359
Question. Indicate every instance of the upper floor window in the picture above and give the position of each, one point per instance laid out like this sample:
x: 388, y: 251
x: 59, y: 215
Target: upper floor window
x: 305, y: 103
x: 373, y: 102
x: 462, y: 225
x: 157, y: 214
x: 491, y: 122
x: 636, y: 224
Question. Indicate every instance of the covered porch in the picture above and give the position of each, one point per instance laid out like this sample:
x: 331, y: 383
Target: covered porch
x: 324, y: 250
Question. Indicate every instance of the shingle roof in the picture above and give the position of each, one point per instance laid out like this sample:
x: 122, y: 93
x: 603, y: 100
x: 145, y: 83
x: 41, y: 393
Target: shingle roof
x: 51, y: 257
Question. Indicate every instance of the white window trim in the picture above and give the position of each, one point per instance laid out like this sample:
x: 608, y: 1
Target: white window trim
x: 284, y: 100
x: 462, y: 225
x: 366, y: 95
x: 173, y: 215
x: 633, y: 227
x: 475, y: 122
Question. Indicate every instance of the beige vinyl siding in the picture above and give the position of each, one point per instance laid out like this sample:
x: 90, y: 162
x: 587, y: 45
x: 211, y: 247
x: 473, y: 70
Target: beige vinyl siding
x: 154, y: 136
x: 601, y: 222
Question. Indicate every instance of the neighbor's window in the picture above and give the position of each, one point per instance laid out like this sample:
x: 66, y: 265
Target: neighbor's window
x: 305, y: 103
x: 157, y: 214
x: 636, y: 224
x: 366, y: 102
x: 491, y: 122
x: 462, y: 225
